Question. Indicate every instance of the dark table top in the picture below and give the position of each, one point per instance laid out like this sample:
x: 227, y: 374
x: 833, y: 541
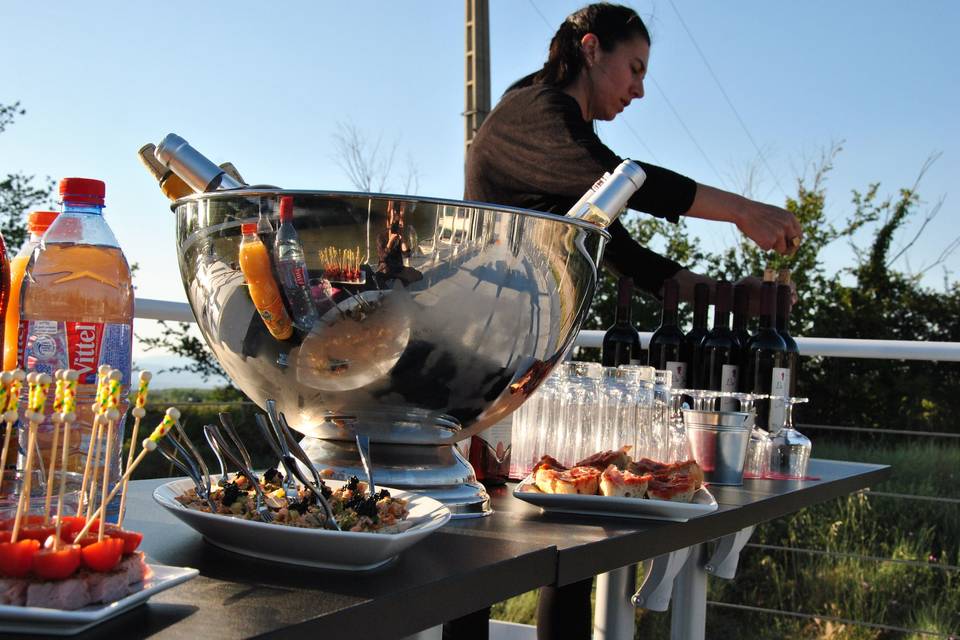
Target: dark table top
x: 467, y: 565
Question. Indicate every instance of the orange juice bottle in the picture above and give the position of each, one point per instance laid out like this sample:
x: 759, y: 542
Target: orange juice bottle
x: 255, y: 265
x: 37, y: 224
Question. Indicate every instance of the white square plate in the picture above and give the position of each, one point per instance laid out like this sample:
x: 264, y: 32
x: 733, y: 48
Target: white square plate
x: 703, y: 502
x: 65, y: 623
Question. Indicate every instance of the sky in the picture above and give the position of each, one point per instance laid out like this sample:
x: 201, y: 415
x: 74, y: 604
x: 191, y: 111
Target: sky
x: 730, y: 85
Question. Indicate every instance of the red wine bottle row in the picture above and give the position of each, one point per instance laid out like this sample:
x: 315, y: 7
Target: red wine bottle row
x: 731, y: 359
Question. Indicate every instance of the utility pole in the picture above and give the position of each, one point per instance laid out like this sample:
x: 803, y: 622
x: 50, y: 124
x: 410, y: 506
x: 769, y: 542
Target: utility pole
x: 477, y: 68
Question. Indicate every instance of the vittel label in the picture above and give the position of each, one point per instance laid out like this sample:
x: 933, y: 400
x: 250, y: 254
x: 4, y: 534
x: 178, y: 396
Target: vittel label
x: 779, y: 386
x: 48, y: 345
x: 679, y: 371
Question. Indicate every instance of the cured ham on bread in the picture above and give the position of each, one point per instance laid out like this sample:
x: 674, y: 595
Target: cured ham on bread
x: 623, y: 484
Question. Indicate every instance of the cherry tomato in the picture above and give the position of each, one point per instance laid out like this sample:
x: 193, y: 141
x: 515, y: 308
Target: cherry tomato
x: 38, y: 531
x: 71, y: 525
x: 16, y: 558
x: 5, y: 536
x: 131, y: 539
x: 57, y: 565
x: 103, y: 555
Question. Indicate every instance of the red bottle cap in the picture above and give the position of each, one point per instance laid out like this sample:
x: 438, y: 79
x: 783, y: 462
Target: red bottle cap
x: 286, y: 208
x: 249, y: 228
x: 39, y: 221
x: 82, y: 190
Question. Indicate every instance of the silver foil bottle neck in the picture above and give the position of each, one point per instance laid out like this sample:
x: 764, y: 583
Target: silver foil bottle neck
x: 603, y: 203
x: 193, y: 167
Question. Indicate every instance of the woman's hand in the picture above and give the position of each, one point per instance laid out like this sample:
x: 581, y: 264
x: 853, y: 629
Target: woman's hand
x: 769, y: 226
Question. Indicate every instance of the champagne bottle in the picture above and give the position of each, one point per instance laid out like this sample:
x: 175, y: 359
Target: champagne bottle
x: 765, y: 372
x: 202, y: 175
x: 621, y: 342
x: 719, y: 351
x: 170, y: 183
x: 666, y: 342
x: 691, y: 341
x: 607, y: 198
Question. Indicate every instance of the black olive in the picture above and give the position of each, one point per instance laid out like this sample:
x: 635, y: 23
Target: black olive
x: 325, y: 490
x: 230, y: 493
x: 300, y: 506
x: 273, y: 476
x: 383, y: 493
x: 368, y: 507
x: 353, y: 483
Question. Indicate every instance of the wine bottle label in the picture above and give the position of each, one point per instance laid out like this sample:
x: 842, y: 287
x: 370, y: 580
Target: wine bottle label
x: 779, y: 387
x: 729, y: 379
x: 679, y: 371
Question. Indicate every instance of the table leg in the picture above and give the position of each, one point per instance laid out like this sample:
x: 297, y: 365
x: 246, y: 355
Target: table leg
x: 433, y: 633
x: 613, y: 617
x: 688, y: 616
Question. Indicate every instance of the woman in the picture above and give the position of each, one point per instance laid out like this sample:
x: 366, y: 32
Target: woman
x: 538, y: 150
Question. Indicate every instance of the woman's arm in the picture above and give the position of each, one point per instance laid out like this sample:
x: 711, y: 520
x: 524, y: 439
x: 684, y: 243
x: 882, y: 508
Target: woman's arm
x: 769, y: 226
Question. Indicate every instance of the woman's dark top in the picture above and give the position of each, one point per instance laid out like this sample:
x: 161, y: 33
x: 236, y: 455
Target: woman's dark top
x: 536, y: 151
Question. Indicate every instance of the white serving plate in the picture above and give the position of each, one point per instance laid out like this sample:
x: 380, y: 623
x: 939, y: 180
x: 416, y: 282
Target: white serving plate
x: 56, y: 622
x: 703, y: 502
x: 320, y: 548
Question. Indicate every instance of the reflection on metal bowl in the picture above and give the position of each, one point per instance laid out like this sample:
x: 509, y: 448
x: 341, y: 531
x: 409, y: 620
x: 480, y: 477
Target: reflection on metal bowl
x: 454, y: 312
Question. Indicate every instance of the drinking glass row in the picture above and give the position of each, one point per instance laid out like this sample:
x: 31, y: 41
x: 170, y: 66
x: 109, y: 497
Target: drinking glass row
x: 584, y: 408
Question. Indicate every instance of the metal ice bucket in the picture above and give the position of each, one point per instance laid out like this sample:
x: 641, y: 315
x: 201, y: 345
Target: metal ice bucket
x: 485, y: 304
x: 718, y: 442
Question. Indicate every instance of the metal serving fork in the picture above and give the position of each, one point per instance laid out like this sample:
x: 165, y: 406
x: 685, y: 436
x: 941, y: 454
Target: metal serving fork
x: 232, y: 434
x: 222, y: 448
x: 188, y: 466
x: 285, y: 446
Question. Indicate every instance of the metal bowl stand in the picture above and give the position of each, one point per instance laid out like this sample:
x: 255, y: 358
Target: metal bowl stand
x: 437, y: 471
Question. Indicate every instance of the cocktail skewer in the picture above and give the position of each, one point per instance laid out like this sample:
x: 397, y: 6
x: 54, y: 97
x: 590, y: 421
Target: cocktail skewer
x: 56, y: 420
x: 139, y: 411
x: 37, y: 395
x: 111, y: 415
x: 149, y: 444
x: 11, y: 391
x: 102, y: 373
x: 69, y: 378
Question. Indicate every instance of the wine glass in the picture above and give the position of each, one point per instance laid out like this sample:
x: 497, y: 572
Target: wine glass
x: 790, y: 449
x: 758, y: 449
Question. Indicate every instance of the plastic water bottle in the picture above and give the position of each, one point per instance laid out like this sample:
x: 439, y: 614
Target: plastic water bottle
x: 292, y: 269
x: 77, y: 310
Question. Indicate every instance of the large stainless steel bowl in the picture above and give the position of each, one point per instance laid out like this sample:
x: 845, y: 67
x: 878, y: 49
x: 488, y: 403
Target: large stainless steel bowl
x: 428, y: 350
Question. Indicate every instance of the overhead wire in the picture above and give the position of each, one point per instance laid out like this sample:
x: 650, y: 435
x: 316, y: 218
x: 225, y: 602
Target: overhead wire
x: 726, y: 97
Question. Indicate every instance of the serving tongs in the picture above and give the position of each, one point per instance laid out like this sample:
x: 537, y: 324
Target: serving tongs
x: 191, y: 465
x: 224, y: 450
x: 285, y: 446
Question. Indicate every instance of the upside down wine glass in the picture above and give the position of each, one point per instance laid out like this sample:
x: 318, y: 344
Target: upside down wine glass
x: 790, y: 449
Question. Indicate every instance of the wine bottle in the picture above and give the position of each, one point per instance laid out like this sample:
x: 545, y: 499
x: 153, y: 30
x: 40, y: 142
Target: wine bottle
x: 195, y: 169
x: 784, y: 306
x: 693, y: 338
x: 169, y: 182
x: 741, y: 315
x: 765, y: 372
x: 666, y: 343
x: 720, y: 351
x: 621, y: 342
x: 607, y: 198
